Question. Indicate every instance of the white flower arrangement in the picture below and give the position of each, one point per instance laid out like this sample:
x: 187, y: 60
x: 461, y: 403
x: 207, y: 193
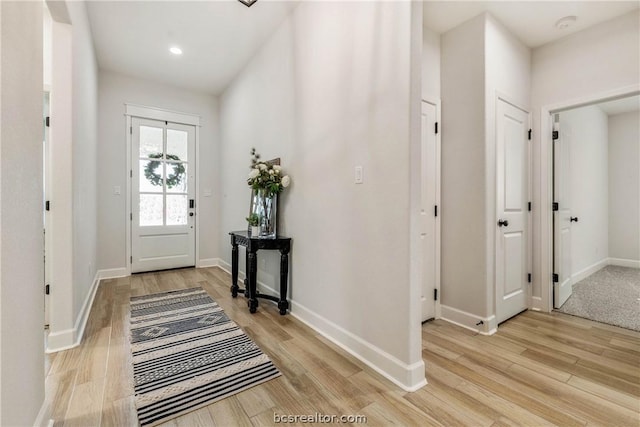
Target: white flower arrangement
x: 266, y: 177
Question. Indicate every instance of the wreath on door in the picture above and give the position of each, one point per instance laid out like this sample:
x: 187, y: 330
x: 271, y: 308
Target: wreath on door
x: 173, y: 179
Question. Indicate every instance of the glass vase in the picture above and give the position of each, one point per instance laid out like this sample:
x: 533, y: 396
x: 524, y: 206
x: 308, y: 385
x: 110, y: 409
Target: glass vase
x: 266, y: 207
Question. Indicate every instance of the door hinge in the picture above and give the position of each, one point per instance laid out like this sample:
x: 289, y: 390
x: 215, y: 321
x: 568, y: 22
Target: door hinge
x: 435, y: 210
x: 436, y: 127
x: 47, y: 121
x: 47, y: 206
x: 556, y: 278
x: 435, y: 295
x: 131, y: 130
x: 131, y: 216
x: 46, y: 289
x: 131, y: 259
x: 555, y: 135
x: 529, y: 206
x: 528, y: 277
x: 529, y: 134
x: 131, y: 173
x: 556, y: 206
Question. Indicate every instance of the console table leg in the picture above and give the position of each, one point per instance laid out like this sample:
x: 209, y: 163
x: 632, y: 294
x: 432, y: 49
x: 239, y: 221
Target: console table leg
x: 234, y: 271
x: 283, y: 304
x: 253, y: 273
x: 248, y: 275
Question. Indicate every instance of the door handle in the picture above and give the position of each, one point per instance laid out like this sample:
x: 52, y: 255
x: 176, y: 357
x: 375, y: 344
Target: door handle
x: 503, y: 222
x: 573, y: 219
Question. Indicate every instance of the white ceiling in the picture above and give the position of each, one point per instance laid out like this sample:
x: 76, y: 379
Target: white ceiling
x: 619, y: 106
x: 217, y: 38
x: 533, y: 22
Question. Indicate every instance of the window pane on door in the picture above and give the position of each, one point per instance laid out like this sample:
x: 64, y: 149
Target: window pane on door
x: 151, y: 209
x: 176, y: 145
x: 176, y: 177
x: 177, y: 209
x: 151, y: 176
x: 150, y: 141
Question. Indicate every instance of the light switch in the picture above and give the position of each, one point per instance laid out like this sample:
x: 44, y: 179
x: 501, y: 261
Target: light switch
x: 116, y: 190
x: 359, y: 175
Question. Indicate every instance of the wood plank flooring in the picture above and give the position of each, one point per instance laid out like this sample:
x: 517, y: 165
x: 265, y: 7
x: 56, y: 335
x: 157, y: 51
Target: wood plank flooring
x: 539, y: 369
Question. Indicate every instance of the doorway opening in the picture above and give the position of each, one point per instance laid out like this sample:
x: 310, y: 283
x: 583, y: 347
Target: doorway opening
x: 596, y: 211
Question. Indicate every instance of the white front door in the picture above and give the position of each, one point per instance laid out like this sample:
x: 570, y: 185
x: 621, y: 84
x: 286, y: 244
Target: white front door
x: 162, y: 195
x: 429, y: 224
x: 512, y: 222
x: 562, y: 284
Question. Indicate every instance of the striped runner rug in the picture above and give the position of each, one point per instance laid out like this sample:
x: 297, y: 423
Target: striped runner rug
x: 188, y: 354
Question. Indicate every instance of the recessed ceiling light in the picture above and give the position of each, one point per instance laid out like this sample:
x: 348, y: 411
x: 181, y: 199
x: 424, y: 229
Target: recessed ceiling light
x: 566, y: 22
x: 175, y: 50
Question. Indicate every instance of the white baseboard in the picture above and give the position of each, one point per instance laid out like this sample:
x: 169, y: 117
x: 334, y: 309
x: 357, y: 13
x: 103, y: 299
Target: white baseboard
x: 43, y: 420
x: 536, y: 304
x: 262, y: 287
x: 208, y: 262
x: 586, y: 272
x: 408, y: 377
x: 632, y: 263
x: 469, y: 321
x: 224, y: 265
x: 112, y: 273
x: 69, y: 338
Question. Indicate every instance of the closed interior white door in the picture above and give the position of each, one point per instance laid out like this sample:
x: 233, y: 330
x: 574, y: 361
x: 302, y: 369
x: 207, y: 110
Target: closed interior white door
x: 562, y: 285
x: 429, y: 179
x: 162, y: 195
x: 512, y: 222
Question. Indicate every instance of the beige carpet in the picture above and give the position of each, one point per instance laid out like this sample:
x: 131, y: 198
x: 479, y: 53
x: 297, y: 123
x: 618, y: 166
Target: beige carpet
x: 610, y: 295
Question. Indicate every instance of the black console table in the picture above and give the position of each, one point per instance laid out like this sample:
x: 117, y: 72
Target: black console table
x: 252, y: 245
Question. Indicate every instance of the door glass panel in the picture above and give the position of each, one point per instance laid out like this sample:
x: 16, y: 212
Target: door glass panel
x: 177, y: 210
x: 151, y: 209
x: 151, y: 176
x: 176, y: 145
x: 176, y: 177
x: 150, y: 141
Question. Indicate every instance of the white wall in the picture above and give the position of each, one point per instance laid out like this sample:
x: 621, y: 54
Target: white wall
x: 328, y: 91
x: 114, y: 91
x: 586, y: 131
x: 47, y: 24
x: 624, y: 186
x: 85, y: 142
x: 21, y: 246
x: 430, y: 65
x: 599, y: 59
x: 463, y: 196
x: 480, y: 59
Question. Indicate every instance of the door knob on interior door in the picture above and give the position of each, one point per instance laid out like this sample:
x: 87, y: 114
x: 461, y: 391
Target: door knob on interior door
x: 573, y: 219
x: 503, y: 222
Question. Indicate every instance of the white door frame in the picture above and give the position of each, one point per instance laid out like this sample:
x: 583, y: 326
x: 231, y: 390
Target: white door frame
x: 502, y: 97
x: 133, y: 110
x: 546, y: 181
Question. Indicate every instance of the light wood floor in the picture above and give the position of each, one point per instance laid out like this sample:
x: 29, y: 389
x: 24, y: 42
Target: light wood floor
x: 539, y: 369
